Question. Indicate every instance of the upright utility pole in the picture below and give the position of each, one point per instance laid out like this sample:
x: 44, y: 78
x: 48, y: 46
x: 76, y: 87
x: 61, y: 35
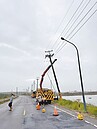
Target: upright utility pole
x: 17, y: 91
x: 34, y: 85
x: 37, y: 83
x: 49, y: 56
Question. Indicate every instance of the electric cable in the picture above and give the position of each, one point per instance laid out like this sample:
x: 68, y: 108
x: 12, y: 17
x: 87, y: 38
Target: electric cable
x: 76, y: 31
x: 73, y: 23
x: 81, y: 19
x: 51, y: 82
x: 83, y: 24
x: 77, y: 18
x: 63, y: 21
x: 69, y: 22
x: 61, y: 46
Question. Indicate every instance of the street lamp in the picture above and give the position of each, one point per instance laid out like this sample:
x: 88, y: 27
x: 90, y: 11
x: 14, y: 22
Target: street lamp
x: 79, y: 71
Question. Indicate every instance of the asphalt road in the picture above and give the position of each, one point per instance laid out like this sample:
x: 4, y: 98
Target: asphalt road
x: 25, y: 116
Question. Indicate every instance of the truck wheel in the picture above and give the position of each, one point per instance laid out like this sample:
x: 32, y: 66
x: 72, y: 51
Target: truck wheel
x: 49, y: 101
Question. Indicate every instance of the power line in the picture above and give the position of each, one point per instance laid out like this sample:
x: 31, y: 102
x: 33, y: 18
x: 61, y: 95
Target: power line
x: 61, y: 23
x: 77, y: 18
x: 51, y: 83
x: 61, y: 46
x: 69, y: 21
x: 77, y: 31
x: 83, y: 24
x: 82, y: 19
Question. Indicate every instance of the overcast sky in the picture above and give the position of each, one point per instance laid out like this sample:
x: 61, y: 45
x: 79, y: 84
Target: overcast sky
x: 28, y: 28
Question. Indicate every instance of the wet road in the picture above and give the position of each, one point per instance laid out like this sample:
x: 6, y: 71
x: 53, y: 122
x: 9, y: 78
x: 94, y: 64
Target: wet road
x: 25, y: 116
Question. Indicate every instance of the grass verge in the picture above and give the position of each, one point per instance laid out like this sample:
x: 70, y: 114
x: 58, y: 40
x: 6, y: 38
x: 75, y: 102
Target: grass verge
x: 4, y: 98
x: 77, y: 106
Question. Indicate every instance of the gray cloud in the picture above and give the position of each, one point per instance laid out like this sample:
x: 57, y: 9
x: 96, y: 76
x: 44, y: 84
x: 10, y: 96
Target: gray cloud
x: 28, y: 28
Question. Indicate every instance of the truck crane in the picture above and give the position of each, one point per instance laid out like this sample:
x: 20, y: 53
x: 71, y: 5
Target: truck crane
x: 46, y: 94
x: 37, y: 92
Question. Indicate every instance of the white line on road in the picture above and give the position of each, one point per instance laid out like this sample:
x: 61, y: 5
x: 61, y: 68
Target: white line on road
x: 91, y: 123
x: 24, y: 113
x: 65, y: 111
x: 76, y: 116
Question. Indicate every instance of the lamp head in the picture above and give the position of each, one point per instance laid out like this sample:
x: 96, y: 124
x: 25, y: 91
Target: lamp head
x: 62, y: 38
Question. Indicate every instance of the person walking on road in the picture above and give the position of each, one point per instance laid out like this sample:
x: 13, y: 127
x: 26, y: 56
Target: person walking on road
x: 11, y: 101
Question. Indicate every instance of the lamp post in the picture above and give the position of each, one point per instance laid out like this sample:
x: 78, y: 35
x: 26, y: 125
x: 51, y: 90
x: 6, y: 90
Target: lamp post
x: 79, y: 72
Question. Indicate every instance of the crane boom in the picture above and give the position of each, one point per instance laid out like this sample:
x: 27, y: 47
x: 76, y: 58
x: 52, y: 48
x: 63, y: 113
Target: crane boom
x: 42, y: 76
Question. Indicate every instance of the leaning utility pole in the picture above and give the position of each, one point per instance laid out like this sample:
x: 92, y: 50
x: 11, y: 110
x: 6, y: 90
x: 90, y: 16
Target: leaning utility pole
x: 49, y: 56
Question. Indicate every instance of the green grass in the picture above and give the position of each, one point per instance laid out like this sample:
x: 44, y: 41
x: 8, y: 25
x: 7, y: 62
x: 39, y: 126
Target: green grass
x: 92, y: 110
x: 78, y: 106
x: 3, y: 96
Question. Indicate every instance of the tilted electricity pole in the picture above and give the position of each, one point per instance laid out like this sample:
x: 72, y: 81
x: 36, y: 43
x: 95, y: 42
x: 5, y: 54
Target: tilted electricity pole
x: 49, y: 56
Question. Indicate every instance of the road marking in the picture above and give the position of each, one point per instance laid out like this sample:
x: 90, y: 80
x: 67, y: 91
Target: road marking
x: 24, y: 113
x: 75, y: 116
x: 91, y: 123
x: 65, y: 111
